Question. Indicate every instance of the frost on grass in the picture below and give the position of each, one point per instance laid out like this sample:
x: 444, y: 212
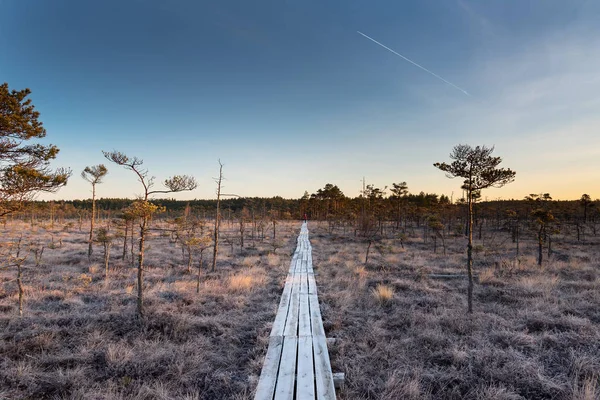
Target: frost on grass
x: 401, y: 334
x: 79, y: 337
x: 535, y: 332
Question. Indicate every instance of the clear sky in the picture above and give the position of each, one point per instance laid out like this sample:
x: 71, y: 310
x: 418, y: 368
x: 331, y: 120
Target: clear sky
x: 290, y: 96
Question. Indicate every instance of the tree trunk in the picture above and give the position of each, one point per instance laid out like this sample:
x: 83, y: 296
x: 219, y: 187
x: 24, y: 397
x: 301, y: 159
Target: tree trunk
x: 199, y: 271
x: 368, y: 249
x: 253, y: 226
x: 140, y: 272
x: 540, y: 244
x: 132, y: 251
x: 20, y: 284
x: 217, y: 220
x: 106, y: 258
x: 90, y: 247
x: 125, y: 241
x: 443, y: 243
x: 241, y: 233
x: 470, y: 255
x: 518, y: 237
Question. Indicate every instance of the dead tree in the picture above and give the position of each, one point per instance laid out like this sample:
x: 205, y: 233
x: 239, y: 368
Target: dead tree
x: 218, y: 180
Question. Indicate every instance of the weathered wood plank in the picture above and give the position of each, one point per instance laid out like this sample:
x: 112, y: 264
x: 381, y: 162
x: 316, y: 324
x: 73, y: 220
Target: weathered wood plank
x: 338, y: 379
x: 268, y: 375
x: 294, y: 264
x: 323, y: 375
x: 312, y: 284
x: 304, y: 323
x: 284, y: 305
x: 291, y: 324
x: 315, y: 316
x: 305, y: 382
x: 303, y: 282
x: 282, y: 312
x: 286, y: 378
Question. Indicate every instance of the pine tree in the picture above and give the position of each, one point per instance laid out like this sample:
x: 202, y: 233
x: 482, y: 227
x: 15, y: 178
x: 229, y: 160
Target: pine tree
x: 24, y: 167
x: 480, y: 171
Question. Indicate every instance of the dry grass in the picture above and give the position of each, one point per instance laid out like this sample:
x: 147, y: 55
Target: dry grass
x: 244, y: 281
x: 383, y: 294
x: 251, y: 261
x: 361, y: 272
x: 94, y: 268
x: 487, y: 276
x: 588, y: 390
x: 273, y: 260
x: 535, y: 332
x: 79, y: 337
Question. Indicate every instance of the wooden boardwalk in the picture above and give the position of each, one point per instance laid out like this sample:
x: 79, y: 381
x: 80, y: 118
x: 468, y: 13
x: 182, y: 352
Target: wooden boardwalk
x: 297, y: 362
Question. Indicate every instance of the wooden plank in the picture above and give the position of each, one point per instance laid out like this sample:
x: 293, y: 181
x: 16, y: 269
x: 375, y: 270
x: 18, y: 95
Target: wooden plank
x: 268, y: 375
x: 304, y: 325
x: 309, y: 265
x: 338, y: 379
x: 286, y: 377
x: 312, y: 284
x: 303, y: 282
x: 291, y: 323
x: 305, y: 381
x: 315, y: 316
x: 294, y: 264
x: 282, y: 311
x: 323, y: 375
x: 284, y: 303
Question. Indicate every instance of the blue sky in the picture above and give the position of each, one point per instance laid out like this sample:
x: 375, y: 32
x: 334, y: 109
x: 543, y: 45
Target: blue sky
x: 290, y: 97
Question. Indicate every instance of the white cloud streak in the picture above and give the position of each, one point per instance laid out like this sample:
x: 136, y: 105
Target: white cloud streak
x: 415, y: 64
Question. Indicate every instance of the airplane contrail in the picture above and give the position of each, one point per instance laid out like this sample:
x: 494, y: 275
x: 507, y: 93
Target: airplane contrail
x: 415, y: 64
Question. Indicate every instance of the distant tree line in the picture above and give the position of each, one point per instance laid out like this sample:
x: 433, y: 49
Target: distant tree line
x: 336, y: 209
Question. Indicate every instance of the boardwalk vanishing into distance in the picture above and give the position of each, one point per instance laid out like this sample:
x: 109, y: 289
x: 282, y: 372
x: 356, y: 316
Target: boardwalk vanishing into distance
x: 297, y: 363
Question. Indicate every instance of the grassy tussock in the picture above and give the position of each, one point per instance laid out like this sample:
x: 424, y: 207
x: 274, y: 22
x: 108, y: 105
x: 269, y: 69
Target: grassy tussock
x: 251, y: 261
x: 94, y: 268
x: 588, y: 390
x: 383, y: 294
x: 273, y: 260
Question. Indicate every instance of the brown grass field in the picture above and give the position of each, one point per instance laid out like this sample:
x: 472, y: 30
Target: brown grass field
x: 402, y: 334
